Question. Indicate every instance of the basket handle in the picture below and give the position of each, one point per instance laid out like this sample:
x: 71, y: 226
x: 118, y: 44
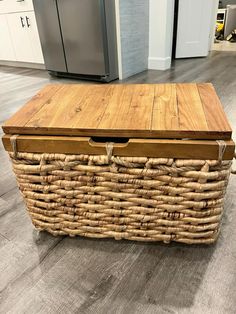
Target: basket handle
x: 102, y: 142
x: 109, y: 144
x: 233, y: 171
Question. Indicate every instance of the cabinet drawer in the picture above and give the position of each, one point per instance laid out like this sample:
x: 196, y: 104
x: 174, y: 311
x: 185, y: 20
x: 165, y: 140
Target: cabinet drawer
x: 5, y: 6
x: 10, y: 6
x: 22, y: 5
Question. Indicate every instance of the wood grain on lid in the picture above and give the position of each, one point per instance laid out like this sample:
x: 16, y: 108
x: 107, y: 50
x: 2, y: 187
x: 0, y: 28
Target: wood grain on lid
x: 147, y: 111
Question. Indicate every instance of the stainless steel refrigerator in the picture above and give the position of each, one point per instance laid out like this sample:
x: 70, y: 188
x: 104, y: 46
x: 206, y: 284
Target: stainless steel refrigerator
x: 78, y: 37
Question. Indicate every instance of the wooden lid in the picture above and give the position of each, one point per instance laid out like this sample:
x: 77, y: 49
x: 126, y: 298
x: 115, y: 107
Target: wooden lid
x: 135, y: 111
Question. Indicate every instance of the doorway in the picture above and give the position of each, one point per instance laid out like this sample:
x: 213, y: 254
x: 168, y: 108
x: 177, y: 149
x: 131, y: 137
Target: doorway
x: 194, y: 27
x: 201, y: 26
x: 225, y: 35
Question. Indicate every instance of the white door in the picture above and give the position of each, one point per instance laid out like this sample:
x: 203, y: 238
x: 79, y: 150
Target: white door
x: 194, y: 28
x: 18, y: 29
x: 33, y: 36
x: 6, y: 47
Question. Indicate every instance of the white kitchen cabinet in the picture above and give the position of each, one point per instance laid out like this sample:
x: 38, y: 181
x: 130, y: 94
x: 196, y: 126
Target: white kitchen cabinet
x: 6, y: 48
x: 25, y: 38
x: 33, y: 37
x: 19, y: 39
x: 21, y: 42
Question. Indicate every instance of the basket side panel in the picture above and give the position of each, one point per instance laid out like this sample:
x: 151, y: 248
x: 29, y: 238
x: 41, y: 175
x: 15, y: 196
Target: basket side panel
x: 135, y: 198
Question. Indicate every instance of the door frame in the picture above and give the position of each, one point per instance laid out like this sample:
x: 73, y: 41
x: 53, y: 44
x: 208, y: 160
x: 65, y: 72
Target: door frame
x: 213, y: 24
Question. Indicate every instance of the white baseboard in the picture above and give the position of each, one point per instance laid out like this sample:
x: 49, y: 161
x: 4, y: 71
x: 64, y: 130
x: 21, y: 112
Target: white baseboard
x: 159, y: 63
x: 23, y: 64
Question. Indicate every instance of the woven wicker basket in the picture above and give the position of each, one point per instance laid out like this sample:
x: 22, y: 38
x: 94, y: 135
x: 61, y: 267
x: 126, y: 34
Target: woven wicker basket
x: 138, y: 162
x: 144, y: 199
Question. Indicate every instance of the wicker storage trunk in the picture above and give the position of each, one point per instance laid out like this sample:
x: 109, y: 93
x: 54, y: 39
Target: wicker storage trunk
x: 138, y: 162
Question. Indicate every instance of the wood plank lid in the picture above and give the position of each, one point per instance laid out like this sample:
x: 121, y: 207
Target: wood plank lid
x: 165, y: 111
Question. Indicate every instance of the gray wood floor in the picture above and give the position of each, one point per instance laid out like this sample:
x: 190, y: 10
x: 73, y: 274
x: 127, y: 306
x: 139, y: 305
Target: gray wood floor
x: 64, y: 275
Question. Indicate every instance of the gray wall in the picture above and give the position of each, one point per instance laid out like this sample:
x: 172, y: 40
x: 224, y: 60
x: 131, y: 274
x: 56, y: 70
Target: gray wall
x: 226, y: 2
x: 134, y: 28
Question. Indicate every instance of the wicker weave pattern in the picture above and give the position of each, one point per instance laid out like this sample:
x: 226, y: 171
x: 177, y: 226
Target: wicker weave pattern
x: 143, y: 199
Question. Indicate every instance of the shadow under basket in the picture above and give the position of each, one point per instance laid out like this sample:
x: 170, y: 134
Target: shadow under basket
x: 122, y: 182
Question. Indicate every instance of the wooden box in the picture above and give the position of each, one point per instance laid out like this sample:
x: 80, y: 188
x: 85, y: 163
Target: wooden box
x: 139, y: 162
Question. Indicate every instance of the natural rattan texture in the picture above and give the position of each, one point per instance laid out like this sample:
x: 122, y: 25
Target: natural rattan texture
x: 143, y: 199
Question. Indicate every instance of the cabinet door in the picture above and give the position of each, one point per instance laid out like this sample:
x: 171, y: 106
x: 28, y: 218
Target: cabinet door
x: 6, y: 47
x: 33, y: 35
x: 18, y: 29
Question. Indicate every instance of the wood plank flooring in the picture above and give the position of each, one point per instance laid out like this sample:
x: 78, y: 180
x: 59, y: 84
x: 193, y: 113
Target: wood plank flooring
x: 64, y: 275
